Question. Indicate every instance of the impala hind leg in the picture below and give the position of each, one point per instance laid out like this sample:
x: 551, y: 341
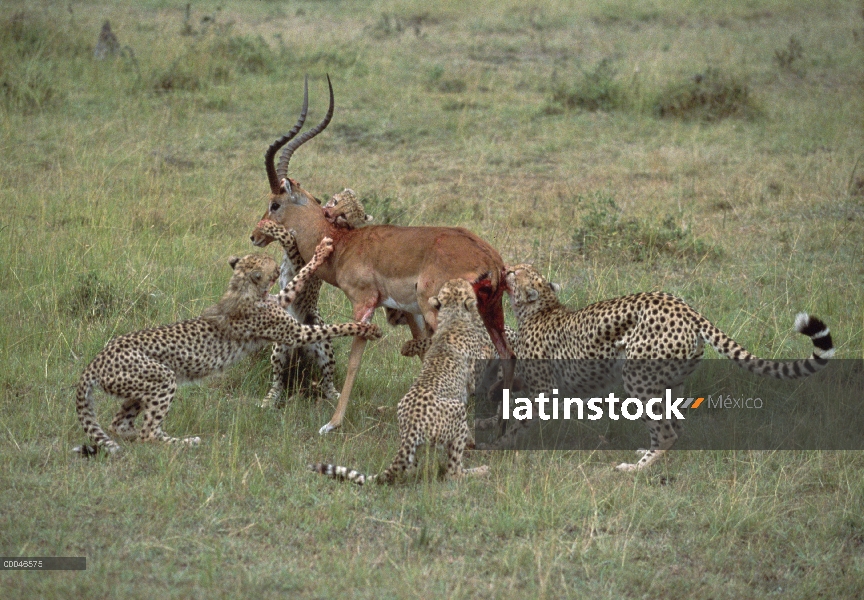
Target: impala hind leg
x: 357, y: 348
x: 362, y: 313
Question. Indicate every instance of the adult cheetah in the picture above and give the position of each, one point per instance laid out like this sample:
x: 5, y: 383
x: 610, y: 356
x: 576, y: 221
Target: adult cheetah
x: 662, y: 330
x: 143, y: 368
x: 433, y: 409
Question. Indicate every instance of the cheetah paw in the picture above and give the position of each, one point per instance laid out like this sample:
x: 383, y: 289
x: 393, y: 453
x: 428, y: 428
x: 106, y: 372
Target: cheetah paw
x: 626, y: 467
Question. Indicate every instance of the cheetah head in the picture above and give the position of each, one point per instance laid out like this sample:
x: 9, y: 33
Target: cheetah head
x: 345, y: 210
x: 529, y: 290
x: 254, y: 275
x: 456, y: 294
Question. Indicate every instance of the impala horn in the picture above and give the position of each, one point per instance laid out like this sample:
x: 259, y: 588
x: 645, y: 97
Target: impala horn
x: 282, y: 168
x: 272, y: 175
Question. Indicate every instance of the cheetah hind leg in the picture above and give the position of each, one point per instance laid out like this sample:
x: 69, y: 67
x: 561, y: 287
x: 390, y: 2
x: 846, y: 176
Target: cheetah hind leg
x: 404, y: 463
x: 322, y: 352
x: 279, y: 365
x: 455, y: 468
x: 123, y: 425
x: 663, y: 433
x: 155, y: 402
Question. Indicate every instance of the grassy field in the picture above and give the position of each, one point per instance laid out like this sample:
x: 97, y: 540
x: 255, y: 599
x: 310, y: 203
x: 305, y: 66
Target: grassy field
x: 712, y: 150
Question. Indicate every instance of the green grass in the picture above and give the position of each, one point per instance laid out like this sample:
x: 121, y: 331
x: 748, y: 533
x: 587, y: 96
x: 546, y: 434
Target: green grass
x: 126, y: 183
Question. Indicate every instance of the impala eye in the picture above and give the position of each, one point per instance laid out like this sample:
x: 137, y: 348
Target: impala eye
x: 274, y: 207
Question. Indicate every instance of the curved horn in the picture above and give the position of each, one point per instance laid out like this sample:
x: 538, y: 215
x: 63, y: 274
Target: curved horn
x: 272, y: 174
x: 282, y: 168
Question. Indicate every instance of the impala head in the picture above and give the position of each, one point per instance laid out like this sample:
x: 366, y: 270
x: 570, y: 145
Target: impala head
x: 286, y: 193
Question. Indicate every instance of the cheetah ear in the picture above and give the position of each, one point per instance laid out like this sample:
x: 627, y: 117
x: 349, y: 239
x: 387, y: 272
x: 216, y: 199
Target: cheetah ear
x: 471, y: 304
x: 368, y: 218
x: 233, y: 261
x: 532, y: 294
x: 434, y: 302
x: 555, y: 287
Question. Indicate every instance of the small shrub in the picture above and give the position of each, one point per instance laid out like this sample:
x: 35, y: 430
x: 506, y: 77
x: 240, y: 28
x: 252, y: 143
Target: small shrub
x: 788, y: 57
x: 383, y: 208
x: 249, y: 54
x: 604, y: 233
x: 708, y: 96
x: 452, y: 86
x: 29, y: 34
x: 387, y: 26
x: 177, y: 77
x: 446, y: 85
x: 92, y: 298
x: 29, y: 87
x: 597, y: 89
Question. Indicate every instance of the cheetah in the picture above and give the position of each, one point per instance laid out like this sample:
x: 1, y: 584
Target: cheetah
x: 345, y: 210
x: 655, y: 326
x: 433, y: 410
x: 143, y: 368
x: 420, y: 346
x: 305, y: 309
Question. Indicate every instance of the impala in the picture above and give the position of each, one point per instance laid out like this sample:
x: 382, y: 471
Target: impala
x: 382, y: 265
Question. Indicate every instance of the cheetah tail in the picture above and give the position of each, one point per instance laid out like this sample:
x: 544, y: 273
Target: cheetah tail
x: 87, y: 416
x: 805, y: 324
x: 341, y: 473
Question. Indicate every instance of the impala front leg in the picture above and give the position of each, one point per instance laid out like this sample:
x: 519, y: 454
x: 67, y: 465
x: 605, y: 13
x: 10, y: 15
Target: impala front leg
x: 364, y: 315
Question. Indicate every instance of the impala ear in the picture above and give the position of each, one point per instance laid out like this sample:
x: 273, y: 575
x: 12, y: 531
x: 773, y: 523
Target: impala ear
x: 434, y: 302
x: 555, y: 287
x: 286, y: 186
x: 533, y: 295
x: 233, y: 261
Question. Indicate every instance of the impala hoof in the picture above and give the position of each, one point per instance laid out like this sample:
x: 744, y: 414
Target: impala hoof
x: 327, y: 428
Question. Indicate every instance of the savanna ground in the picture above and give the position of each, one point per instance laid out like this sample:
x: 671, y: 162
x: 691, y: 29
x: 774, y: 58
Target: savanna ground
x: 712, y: 151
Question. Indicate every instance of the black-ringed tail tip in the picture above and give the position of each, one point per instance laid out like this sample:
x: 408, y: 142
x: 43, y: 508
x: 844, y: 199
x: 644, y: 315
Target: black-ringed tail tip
x: 340, y: 473
x: 818, y: 333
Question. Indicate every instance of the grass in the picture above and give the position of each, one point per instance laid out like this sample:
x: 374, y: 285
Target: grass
x: 128, y: 182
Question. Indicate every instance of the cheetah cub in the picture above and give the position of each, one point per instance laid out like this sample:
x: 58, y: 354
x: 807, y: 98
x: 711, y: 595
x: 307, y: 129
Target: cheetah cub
x: 345, y: 210
x: 304, y: 308
x: 433, y: 410
x: 144, y: 368
x: 651, y: 326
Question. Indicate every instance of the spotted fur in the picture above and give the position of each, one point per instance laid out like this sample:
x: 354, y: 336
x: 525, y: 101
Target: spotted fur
x: 433, y: 410
x: 654, y: 326
x: 143, y: 368
x: 284, y: 359
x: 345, y: 210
